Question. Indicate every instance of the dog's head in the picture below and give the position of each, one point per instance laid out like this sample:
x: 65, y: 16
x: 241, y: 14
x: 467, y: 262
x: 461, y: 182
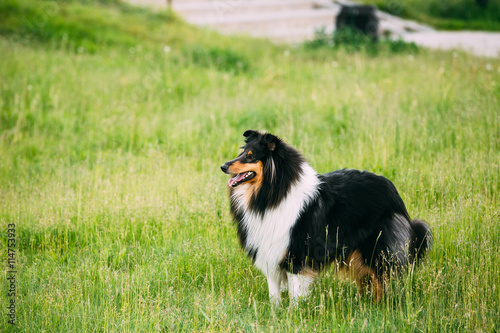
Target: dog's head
x: 249, y: 165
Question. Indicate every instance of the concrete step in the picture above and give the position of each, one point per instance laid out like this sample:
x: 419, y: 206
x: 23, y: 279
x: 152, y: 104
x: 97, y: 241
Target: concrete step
x: 220, y: 9
x: 156, y: 4
x: 269, y: 21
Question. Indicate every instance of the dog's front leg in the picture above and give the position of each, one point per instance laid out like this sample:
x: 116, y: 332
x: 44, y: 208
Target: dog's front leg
x: 274, y: 284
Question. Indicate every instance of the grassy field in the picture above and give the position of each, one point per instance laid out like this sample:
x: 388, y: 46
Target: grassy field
x: 114, y: 122
x: 446, y: 14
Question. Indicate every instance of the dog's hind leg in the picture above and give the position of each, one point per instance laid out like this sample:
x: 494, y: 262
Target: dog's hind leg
x: 364, y: 276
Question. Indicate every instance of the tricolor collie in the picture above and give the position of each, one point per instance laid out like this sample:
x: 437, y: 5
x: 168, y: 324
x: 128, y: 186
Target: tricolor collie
x: 293, y: 222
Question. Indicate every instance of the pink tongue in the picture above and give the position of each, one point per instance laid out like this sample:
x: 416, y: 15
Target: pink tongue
x: 236, y: 179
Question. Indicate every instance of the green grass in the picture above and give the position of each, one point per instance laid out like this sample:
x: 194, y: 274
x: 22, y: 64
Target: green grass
x: 114, y: 122
x: 446, y: 14
x: 352, y: 40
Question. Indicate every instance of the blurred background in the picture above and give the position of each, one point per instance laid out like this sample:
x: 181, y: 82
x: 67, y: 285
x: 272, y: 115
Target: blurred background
x: 427, y: 23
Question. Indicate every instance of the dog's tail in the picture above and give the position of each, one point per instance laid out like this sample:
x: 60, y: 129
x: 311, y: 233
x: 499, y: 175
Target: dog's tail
x: 422, y: 238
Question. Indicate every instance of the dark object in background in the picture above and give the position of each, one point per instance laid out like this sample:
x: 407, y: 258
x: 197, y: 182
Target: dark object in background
x: 482, y: 3
x: 359, y: 17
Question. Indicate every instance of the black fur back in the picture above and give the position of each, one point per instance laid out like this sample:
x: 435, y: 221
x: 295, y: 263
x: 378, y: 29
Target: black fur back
x: 355, y: 210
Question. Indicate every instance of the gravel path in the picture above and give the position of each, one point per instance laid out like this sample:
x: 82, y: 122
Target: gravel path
x: 480, y: 43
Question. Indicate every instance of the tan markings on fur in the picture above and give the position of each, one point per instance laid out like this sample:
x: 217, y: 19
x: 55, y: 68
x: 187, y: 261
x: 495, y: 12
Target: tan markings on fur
x: 238, y: 167
x: 283, y: 257
x: 363, y: 274
x: 342, y: 270
x: 309, y: 272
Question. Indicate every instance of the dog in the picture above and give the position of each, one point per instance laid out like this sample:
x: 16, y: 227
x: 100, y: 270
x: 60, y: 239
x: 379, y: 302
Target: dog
x: 293, y: 222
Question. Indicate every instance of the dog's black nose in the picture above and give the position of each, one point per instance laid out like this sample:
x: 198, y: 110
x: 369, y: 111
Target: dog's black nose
x: 224, y: 167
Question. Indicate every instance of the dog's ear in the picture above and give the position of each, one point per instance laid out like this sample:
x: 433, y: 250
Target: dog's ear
x: 249, y: 133
x: 271, y: 141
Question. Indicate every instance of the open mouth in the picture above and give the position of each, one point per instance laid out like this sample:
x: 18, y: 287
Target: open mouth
x: 241, y: 178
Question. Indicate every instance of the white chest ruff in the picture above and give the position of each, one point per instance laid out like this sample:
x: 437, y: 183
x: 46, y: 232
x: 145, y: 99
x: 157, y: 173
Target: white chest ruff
x: 270, y: 234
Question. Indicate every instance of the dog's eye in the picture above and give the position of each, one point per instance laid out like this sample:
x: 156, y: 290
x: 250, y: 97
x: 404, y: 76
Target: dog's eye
x: 250, y: 157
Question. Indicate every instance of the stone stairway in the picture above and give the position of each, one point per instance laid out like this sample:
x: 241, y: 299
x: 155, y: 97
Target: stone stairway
x: 289, y: 21
x: 286, y: 21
